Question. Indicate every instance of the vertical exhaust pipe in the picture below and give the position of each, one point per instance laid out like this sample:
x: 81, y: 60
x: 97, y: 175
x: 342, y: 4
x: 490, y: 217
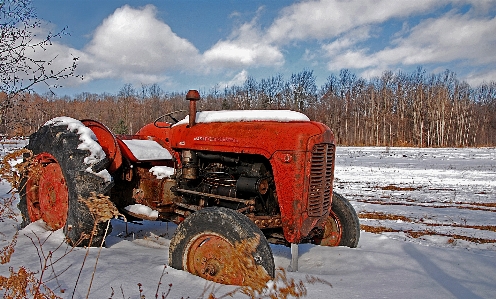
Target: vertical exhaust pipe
x: 192, y: 96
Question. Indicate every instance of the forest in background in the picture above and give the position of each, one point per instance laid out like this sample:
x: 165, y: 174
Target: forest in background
x: 397, y: 109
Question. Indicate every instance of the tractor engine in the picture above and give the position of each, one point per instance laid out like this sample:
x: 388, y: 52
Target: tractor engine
x: 243, y: 183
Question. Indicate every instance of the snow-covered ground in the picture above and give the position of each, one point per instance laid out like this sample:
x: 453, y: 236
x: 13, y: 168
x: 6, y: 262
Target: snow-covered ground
x: 434, y: 211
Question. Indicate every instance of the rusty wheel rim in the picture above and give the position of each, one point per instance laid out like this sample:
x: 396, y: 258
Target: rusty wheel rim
x: 207, y: 255
x: 333, y: 231
x: 47, y: 196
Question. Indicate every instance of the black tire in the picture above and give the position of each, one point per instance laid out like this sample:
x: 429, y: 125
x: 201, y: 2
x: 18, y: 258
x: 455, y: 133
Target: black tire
x: 349, y: 220
x: 342, y: 226
x: 61, y: 145
x: 222, y: 222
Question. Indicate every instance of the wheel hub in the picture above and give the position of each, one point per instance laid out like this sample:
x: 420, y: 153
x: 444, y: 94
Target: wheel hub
x: 47, y: 194
x: 332, y: 231
x: 211, y: 268
x: 207, y: 256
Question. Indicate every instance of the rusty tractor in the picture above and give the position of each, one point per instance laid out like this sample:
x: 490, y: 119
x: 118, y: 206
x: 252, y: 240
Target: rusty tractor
x: 222, y: 176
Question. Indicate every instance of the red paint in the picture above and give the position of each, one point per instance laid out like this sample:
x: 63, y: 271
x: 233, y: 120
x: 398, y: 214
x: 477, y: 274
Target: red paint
x: 107, y: 141
x: 46, y: 192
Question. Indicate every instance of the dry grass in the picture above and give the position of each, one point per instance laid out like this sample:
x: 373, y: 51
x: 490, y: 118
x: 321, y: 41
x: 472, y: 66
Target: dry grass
x: 6, y: 209
x: 24, y: 284
x: 434, y: 204
x: 7, y: 251
x: 101, y: 207
x: 103, y: 210
x: 12, y: 173
x: 255, y: 276
x: 397, y: 188
x: 281, y: 287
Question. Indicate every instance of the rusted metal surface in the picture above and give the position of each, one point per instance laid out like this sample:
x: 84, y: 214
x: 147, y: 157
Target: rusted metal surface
x: 151, y: 191
x: 192, y: 96
x: 266, y: 221
x: 332, y: 231
x: 47, y: 194
x: 207, y: 256
x: 228, y: 198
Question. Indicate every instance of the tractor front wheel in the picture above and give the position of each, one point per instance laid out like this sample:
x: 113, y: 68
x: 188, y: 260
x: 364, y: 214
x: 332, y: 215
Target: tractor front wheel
x: 342, y: 227
x: 222, y: 245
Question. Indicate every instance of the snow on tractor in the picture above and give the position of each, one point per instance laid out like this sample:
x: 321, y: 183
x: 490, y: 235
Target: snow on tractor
x: 222, y: 176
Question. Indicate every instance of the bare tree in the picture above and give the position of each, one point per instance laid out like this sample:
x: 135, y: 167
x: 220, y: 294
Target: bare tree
x: 19, y: 69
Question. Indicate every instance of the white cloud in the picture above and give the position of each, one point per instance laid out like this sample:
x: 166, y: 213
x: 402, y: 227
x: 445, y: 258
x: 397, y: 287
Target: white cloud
x: 234, y: 54
x: 352, y: 59
x: 347, y: 41
x: 133, y: 43
x: 245, y: 47
x: 135, y: 46
x: 476, y: 78
x: 450, y: 38
x: 237, y: 80
x: 326, y: 19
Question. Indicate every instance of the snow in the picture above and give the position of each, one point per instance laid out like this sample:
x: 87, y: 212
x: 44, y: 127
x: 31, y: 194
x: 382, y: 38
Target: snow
x: 139, y: 209
x: 147, y: 150
x: 104, y: 174
x: 445, y: 190
x: 451, y: 188
x: 246, y: 115
x: 162, y: 172
x: 88, y: 138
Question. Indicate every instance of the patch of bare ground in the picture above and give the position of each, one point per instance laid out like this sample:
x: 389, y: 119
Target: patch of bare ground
x: 476, y: 206
x: 383, y: 216
x: 387, y: 216
x: 417, y: 233
x: 397, y: 188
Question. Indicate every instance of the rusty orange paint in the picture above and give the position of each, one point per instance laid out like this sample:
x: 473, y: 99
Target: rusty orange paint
x: 46, y: 192
x: 207, y: 256
x: 333, y: 231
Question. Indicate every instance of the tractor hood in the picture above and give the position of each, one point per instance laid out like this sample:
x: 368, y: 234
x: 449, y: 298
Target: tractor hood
x: 260, y: 132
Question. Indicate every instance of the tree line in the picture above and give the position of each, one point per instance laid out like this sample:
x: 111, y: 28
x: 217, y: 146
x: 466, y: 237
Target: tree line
x: 395, y: 109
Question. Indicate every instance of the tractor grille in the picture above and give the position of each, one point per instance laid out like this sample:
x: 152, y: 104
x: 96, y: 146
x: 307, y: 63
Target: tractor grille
x: 321, y: 176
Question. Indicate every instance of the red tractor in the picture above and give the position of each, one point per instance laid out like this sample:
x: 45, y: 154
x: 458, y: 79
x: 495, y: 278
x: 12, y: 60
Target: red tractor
x: 222, y: 176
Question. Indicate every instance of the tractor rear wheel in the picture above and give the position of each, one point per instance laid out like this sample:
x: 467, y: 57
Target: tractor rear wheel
x: 56, y: 180
x: 222, y: 245
x: 342, y: 227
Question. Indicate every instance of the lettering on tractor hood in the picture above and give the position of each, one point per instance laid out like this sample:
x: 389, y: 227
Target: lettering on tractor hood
x: 215, y: 139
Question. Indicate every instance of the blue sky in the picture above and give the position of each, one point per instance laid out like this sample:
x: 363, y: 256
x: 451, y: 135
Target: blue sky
x: 187, y: 44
